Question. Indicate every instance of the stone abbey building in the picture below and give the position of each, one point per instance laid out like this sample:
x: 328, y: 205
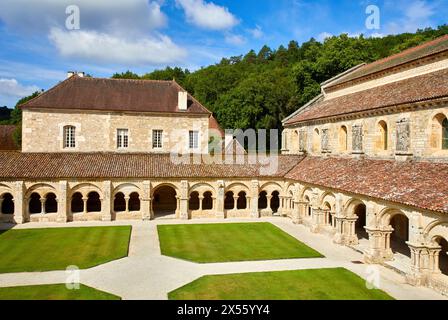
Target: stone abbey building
x: 365, y: 162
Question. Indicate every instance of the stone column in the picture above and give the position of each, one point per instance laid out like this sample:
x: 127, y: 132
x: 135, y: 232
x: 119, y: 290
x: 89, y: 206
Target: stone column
x: 420, y: 271
x: 269, y: 198
x: 183, y: 210
x: 220, y: 213
x: 63, y: 212
x: 84, y: 200
x: 235, y: 203
x: 200, y: 203
x: 254, y: 204
x: 126, y: 200
x: 106, y: 205
x: 318, y: 220
x: 21, y: 214
x: 42, y: 206
x: 248, y: 202
x: 297, y: 213
x: 379, y: 246
x: 146, y: 206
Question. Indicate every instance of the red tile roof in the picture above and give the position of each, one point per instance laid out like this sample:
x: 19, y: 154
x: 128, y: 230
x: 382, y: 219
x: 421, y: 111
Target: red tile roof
x: 424, y: 50
x: 6, y: 137
x: 419, y: 184
x: 417, y: 89
x: 213, y: 124
x: 85, y: 93
x: 16, y: 165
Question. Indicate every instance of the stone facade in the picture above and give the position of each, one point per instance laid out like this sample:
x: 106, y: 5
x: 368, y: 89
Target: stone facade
x: 42, y: 131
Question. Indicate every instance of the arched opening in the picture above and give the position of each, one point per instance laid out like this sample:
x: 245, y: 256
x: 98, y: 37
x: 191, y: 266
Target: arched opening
x: 309, y: 211
x: 361, y: 213
x: 400, y: 235
x: 343, y: 138
x: 443, y: 255
x: 383, y: 138
x: 207, y: 202
x: 242, y: 201
x: 439, y: 134
x: 119, y: 202
x: 193, y: 203
x: 229, y: 202
x: 35, y: 206
x: 275, y: 201
x: 164, y: 202
x: 134, y: 202
x: 51, y: 204
x: 77, y: 204
x: 7, y: 204
x: 263, y: 200
x: 316, y: 140
x: 93, y: 202
x: 445, y: 134
x: 329, y: 217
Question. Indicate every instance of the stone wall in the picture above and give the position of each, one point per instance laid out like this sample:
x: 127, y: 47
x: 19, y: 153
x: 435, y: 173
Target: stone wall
x: 97, y: 132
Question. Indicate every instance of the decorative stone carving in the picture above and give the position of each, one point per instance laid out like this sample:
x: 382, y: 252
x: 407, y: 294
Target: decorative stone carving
x: 357, y: 136
x: 403, y: 137
x: 325, y: 141
x: 302, y: 140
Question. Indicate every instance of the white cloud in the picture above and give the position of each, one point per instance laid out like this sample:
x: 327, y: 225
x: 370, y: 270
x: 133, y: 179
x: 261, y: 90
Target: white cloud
x: 324, y: 35
x: 11, y: 88
x: 112, y: 16
x: 257, y: 32
x: 102, y: 47
x: 415, y: 14
x: 208, y: 15
x: 235, y: 39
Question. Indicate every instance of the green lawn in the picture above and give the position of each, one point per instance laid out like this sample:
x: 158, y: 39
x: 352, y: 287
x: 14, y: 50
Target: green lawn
x: 31, y: 250
x: 208, y: 243
x: 322, y: 284
x: 54, y: 292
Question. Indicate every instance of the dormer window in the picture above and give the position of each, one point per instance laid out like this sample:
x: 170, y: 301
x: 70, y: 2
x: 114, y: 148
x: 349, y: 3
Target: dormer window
x: 69, y: 137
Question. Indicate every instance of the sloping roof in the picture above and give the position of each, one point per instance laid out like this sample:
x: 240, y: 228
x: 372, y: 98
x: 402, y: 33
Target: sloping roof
x: 419, y: 184
x: 417, y: 89
x: 6, y: 137
x: 424, y: 50
x: 85, y: 93
x: 16, y: 165
x: 214, y: 125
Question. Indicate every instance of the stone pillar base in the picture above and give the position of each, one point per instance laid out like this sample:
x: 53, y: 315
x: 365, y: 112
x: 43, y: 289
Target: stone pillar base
x: 220, y: 215
x: 372, y: 256
x: 62, y: 219
x: 19, y: 220
x: 106, y: 218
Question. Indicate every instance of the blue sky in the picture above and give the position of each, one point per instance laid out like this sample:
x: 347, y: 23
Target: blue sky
x: 141, y: 35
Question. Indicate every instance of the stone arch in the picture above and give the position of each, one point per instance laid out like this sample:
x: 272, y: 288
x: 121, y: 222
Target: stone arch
x: 134, y: 204
x: 439, y: 132
x: 329, y: 197
x: 398, y: 222
x: 93, y: 202
x: 440, y: 241
x: 237, y: 187
x: 119, y: 202
x: 316, y: 140
x: 193, y: 201
x: 242, y: 201
x: 229, y: 202
x: 207, y: 202
x: 77, y: 203
x: 343, y: 138
x: 357, y: 208
x: 164, y: 200
x: 51, y: 203
x: 7, y: 203
x: 202, y: 188
x: 270, y: 187
x: 34, y: 203
x: 85, y: 189
x: 382, y: 143
x: 126, y: 189
x: 275, y: 201
x: 262, y: 200
x: 40, y: 188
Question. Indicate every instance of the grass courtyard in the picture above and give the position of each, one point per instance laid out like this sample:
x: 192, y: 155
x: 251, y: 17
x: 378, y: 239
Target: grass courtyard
x: 321, y: 284
x: 32, y: 250
x: 230, y: 242
x: 54, y: 292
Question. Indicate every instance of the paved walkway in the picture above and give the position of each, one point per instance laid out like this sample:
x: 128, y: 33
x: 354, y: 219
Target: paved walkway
x: 148, y: 275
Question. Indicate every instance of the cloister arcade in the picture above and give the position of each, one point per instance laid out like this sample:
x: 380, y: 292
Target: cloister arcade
x: 384, y: 231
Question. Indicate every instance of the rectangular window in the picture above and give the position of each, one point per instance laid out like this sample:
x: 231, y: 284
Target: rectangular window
x: 69, y: 137
x: 194, y: 140
x: 157, y: 139
x: 122, y: 138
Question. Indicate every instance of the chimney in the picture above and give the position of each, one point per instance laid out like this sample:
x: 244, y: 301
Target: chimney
x: 70, y: 74
x: 81, y: 74
x: 183, y: 101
